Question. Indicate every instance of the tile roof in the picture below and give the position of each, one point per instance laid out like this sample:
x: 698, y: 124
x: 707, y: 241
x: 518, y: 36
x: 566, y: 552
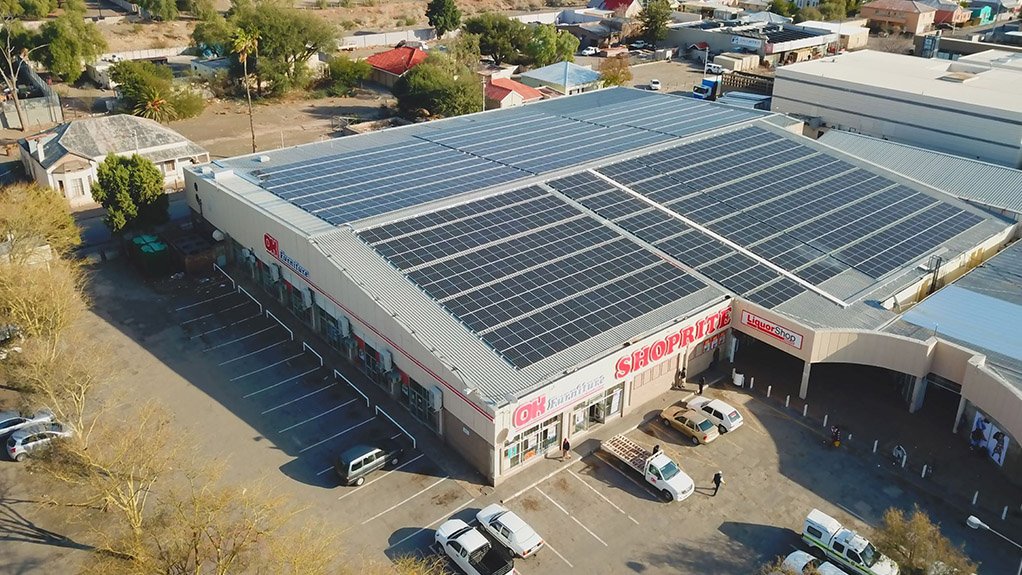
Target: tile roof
x: 900, y: 6
x: 499, y: 88
x: 397, y: 61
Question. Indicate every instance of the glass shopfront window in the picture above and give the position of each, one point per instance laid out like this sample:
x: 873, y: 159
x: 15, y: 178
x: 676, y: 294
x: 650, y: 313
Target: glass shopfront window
x: 597, y: 410
x: 329, y: 328
x: 534, y: 441
x: 417, y: 400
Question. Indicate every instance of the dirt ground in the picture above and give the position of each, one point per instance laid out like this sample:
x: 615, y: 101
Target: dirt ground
x: 124, y: 36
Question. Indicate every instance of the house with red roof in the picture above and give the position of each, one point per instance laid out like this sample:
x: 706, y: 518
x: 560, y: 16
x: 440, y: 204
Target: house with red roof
x: 390, y: 65
x: 626, y: 8
x: 507, y: 93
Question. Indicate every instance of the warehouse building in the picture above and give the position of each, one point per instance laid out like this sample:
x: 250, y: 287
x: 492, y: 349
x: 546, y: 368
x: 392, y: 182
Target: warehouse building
x: 969, y: 109
x: 512, y: 287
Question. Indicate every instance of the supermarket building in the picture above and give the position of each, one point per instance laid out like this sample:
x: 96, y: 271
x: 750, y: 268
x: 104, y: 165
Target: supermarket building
x: 512, y: 287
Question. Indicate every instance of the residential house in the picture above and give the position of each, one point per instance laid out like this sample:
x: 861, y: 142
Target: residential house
x: 507, y: 93
x: 949, y: 12
x: 625, y: 8
x: 66, y: 157
x: 754, y: 5
x: 564, y: 78
x: 390, y: 65
x: 909, y: 16
x: 999, y: 9
x: 981, y: 15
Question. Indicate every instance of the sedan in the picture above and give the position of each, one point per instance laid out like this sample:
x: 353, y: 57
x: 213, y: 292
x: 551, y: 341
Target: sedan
x: 509, y: 529
x: 692, y: 423
x: 800, y: 562
x: 29, y: 439
x: 640, y: 45
x: 723, y: 415
x: 654, y: 85
x: 11, y: 421
x: 590, y: 51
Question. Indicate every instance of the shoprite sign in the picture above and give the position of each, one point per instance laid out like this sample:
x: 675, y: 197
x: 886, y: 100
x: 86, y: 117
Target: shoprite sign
x: 665, y: 347
x: 772, y: 329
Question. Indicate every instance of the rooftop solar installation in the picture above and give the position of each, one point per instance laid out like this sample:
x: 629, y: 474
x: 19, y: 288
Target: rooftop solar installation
x: 528, y: 272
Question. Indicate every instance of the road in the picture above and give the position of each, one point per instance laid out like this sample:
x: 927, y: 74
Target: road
x: 94, y: 231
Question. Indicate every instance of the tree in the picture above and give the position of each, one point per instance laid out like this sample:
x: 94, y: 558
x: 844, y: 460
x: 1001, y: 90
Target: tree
x: 213, y: 34
x: 148, y: 90
x: 615, y: 71
x: 915, y: 543
x: 37, y: 9
x: 548, y: 45
x: 31, y: 215
x: 777, y: 567
x: 153, y: 105
x: 343, y: 75
x: 44, y: 301
x: 131, y: 190
x: 163, y: 10
x: 654, y: 18
x: 465, y: 50
x: 808, y: 13
x: 439, y: 87
x: 783, y: 7
x: 71, y: 43
x: 18, y: 45
x: 500, y: 37
x: 443, y: 16
x: 245, y: 44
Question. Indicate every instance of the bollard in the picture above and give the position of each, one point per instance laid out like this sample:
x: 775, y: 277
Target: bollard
x: 904, y: 460
x: 752, y: 382
x: 733, y: 372
x: 768, y: 390
x: 849, y: 437
x: 1004, y: 513
x: 923, y: 474
x: 787, y: 400
x: 975, y: 496
x: 825, y: 419
x: 805, y: 408
x: 875, y: 442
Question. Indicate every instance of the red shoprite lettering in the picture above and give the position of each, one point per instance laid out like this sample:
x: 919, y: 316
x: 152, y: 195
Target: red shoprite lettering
x: 660, y: 349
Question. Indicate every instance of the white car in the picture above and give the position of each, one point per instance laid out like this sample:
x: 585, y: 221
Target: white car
x: 509, y: 529
x: 640, y: 45
x: 11, y: 421
x: 654, y: 85
x: 590, y: 51
x: 26, y: 440
x: 726, y: 417
x: 800, y: 562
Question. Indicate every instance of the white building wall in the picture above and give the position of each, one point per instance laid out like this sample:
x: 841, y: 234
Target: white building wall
x: 960, y: 128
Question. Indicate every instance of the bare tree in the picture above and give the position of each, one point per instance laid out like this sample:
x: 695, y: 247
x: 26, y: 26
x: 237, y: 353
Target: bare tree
x: 916, y: 544
x: 33, y: 217
x: 15, y: 53
x: 43, y: 301
x: 777, y: 567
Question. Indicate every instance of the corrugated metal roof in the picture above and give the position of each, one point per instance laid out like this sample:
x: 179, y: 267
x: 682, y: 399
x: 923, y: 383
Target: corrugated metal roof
x: 971, y: 180
x: 557, y: 73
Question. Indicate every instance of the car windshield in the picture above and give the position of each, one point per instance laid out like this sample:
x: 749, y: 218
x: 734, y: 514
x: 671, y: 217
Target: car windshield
x: 705, y: 425
x: 670, y: 470
x: 870, y: 556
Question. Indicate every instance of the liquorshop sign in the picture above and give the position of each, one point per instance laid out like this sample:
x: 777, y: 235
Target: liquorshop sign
x: 549, y: 404
x: 273, y: 247
x: 783, y: 334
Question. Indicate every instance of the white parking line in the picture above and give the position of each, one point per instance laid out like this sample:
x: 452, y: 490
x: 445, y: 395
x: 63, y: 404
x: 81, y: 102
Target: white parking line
x: 292, y: 378
x: 558, y: 505
x: 603, y: 497
x: 237, y: 339
x: 214, y: 313
x: 251, y: 353
x: 243, y: 320
x: 557, y: 553
x: 368, y: 483
x: 285, y: 360
x: 207, y: 300
x: 336, y: 435
x: 625, y: 475
x: 289, y: 402
x: 540, y: 480
x: 318, y: 473
x: 332, y: 409
x: 393, y: 507
x: 445, y: 516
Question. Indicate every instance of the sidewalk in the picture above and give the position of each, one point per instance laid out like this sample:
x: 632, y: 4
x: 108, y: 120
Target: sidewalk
x: 867, y: 405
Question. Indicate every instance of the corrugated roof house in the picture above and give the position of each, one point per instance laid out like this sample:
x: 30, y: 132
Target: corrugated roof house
x: 564, y: 78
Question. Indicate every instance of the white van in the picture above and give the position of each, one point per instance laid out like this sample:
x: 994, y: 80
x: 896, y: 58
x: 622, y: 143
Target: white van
x: 714, y: 68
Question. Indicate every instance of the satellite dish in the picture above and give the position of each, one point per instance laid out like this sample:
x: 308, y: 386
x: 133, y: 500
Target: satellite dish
x: 502, y: 436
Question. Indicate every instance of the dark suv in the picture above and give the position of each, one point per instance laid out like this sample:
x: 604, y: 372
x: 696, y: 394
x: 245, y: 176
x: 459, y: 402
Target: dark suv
x: 354, y: 464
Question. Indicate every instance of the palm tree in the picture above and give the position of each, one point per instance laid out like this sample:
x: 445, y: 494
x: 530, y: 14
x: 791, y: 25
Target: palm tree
x: 154, y: 106
x: 244, y: 44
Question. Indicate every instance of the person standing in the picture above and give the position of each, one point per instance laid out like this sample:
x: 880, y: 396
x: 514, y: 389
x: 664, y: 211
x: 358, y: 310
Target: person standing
x: 565, y: 449
x: 656, y: 449
x: 702, y: 383
x: 718, y: 480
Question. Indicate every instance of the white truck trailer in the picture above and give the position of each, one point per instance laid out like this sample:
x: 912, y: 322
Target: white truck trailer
x: 659, y: 470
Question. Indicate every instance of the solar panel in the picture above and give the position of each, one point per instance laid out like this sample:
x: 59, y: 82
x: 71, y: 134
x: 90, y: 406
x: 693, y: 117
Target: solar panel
x: 694, y: 249
x: 776, y: 293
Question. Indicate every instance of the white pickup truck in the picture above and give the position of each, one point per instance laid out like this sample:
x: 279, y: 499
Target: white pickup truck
x: 471, y: 551
x: 659, y: 470
x: 844, y: 546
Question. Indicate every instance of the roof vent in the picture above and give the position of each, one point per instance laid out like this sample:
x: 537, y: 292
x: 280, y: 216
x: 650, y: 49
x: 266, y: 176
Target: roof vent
x: 263, y: 159
x: 958, y: 77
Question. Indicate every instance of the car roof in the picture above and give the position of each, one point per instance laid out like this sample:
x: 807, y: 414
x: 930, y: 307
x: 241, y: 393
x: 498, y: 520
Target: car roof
x: 5, y: 415
x: 695, y: 415
x: 363, y: 449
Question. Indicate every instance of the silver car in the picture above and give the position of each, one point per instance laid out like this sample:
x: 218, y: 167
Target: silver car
x: 29, y: 439
x: 11, y: 421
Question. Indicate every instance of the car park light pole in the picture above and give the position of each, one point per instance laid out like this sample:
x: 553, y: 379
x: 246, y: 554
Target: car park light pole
x: 975, y: 523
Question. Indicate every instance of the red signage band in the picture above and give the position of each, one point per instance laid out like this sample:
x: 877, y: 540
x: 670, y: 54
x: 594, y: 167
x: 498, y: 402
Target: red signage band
x: 658, y: 350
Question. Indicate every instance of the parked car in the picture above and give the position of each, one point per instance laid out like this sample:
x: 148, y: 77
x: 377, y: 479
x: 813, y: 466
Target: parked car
x: 510, y: 530
x: 691, y: 423
x: 803, y: 563
x: 654, y: 85
x: 353, y: 465
x: 589, y: 51
x: 471, y: 551
x: 715, y: 68
x: 27, y: 440
x: 640, y: 45
x: 11, y: 421
x: 723, y: 415
x: 945, y: 26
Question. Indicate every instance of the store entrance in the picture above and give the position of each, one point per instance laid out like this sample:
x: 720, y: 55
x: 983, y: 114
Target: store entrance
x: 595, y: 411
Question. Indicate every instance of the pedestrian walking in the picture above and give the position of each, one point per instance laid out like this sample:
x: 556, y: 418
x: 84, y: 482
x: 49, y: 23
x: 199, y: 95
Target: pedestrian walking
x: 656, y: 449
x: 718, y: 480
x: 565, y: 449
x: 702, y: 383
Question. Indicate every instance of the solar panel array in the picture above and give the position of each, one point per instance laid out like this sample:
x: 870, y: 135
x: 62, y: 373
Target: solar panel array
x: 529, y: 273
x: 442, y: 160
x: 807, y: 213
